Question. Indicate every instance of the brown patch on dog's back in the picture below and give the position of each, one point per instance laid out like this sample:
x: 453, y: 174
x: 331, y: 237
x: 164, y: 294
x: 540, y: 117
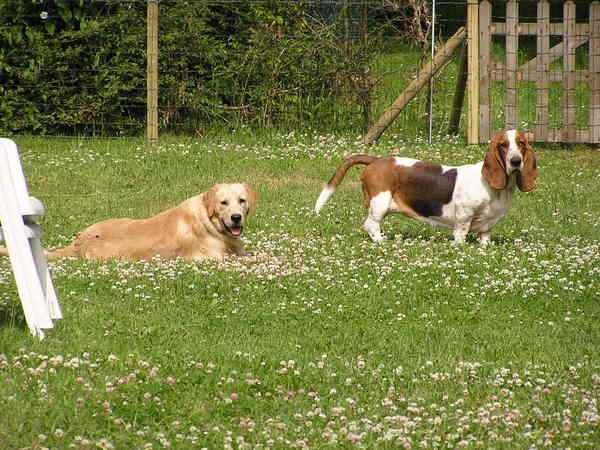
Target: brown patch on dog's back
x: 426, y: 188
x: 419, y: 190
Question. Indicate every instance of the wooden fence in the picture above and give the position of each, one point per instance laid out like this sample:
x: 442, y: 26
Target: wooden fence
x: 566, y: 93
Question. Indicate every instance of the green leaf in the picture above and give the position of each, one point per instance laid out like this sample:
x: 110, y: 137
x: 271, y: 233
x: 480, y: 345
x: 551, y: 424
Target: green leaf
x: 50, y: 27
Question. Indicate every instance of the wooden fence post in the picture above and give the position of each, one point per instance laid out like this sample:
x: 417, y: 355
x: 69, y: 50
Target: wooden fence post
x: 542, y: 71
x: 569, y: 83
x: 512, y: 65
x: 152, y: 73
x: 484, y: 47
x: 473, y: 81
x: 594, y: 72
x: 459, y: 92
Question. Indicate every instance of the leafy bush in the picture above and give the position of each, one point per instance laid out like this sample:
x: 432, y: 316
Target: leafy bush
x: 78, y: 67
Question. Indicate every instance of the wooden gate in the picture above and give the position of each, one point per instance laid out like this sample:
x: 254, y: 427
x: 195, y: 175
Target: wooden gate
x: 557, y: 101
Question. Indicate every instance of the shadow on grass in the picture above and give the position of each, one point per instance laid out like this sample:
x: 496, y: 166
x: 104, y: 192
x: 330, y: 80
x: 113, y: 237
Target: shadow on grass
x: 443, y: 238
x: 12, y: 316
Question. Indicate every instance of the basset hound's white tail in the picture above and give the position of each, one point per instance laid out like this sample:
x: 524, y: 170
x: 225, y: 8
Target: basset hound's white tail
x: 338, y: 176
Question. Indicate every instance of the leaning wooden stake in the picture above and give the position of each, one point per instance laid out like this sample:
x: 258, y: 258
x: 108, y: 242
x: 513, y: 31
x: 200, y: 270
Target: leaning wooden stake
x: 430, y: 69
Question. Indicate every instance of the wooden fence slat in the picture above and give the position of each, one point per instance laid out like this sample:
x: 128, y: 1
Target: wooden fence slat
x: 512, y: 64
x: 543, y: 66
x: 485, y: 18
x: 555, y: 52
x: 555, y: 29
x: 594, y: 68
x: 554, y: 76
x: 569, y: 70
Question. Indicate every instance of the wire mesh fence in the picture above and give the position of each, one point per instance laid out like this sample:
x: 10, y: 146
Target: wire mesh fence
x: 79, y: 68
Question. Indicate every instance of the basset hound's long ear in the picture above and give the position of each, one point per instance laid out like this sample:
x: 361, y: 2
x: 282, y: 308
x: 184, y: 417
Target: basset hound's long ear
x: 527, y: 178
x: 252, y: 199
x: 209, y: 201
x: 493, y: 166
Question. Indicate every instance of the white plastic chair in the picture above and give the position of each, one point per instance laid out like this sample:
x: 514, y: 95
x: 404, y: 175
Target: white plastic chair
x: 22, y: 235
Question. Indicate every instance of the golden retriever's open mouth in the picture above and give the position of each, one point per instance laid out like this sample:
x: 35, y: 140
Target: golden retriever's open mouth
x: 235, y: 230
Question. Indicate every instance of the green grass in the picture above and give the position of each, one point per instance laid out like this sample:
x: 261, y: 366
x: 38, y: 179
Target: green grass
x: 327, y: 339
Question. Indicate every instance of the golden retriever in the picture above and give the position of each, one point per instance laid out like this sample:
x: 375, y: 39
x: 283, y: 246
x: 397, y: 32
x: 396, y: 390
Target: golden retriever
x: 208, y: 225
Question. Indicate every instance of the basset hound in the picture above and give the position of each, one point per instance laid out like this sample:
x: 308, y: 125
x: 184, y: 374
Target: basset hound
x: 473, y: 197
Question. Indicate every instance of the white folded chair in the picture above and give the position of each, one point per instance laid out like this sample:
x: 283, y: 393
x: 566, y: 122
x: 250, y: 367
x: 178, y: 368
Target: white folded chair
x: 22, y: 236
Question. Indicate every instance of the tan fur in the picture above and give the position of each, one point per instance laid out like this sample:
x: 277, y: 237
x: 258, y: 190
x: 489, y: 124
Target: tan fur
x: 197, y: 228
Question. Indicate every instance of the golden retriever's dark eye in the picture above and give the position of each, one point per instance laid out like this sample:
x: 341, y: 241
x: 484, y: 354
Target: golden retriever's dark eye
x: 224, y: 202
x: 242, y: 200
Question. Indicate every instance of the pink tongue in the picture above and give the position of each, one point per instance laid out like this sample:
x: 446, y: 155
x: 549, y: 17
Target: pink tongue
x: 236, y: 231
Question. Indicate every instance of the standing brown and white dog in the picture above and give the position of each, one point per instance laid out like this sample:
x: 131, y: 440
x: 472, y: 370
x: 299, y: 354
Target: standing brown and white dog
x: 208, y: 225
x: 473, y: 197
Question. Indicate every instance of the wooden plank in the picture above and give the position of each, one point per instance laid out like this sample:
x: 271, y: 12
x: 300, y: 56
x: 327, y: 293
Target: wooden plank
x: 485, y: 17
x: 555, y: 29
x: 473, y: 80
x: 512, y: 65
x: 428, y: 71
x: 581, y: 136
x: 542, y: 68
x: 569, y: 70
x: 459, y: 92
x: 594, y: 68
x: 555, y: 52
x: 554, y: 76
x: 152, y: 73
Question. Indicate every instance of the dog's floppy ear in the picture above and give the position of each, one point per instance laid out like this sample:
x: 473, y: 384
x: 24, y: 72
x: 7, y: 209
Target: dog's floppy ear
x: 493, y: 166
x: 527, y: 177
x: 252, y: 199
x: 209, y: 201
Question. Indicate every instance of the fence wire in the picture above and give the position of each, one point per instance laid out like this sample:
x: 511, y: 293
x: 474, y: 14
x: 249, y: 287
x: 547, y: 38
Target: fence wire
x: 80, y: 68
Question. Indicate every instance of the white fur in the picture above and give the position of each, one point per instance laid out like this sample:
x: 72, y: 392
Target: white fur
x: 513, y: 151
x: 408, y: 162
x: 474, y: 206
x: 380, y: 205
x: 325, y: 194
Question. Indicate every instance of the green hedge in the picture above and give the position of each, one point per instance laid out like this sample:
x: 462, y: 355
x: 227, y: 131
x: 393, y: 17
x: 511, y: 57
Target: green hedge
x: 75, y: 67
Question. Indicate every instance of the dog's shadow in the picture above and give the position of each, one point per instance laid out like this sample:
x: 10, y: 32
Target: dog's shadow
x: 498, y: 239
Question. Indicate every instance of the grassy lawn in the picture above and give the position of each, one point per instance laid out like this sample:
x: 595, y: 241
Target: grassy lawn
x: 324, y: 340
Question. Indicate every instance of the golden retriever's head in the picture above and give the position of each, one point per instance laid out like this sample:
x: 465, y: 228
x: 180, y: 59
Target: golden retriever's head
x: 228, y: 205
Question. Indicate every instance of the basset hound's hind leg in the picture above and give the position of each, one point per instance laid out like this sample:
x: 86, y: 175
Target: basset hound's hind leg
x: 378, y: 208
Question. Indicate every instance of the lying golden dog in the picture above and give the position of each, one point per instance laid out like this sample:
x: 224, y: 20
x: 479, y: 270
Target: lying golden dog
x: 208, y: 225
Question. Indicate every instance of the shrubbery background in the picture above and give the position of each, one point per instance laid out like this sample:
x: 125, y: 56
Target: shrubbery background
x: 79, y: 67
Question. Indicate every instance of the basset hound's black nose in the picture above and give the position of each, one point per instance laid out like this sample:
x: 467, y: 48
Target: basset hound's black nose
x: 515, y: 161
